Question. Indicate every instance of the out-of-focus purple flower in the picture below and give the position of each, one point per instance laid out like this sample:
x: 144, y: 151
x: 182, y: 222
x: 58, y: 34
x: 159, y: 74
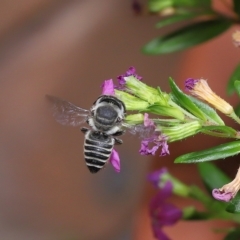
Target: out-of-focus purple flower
x: 222, y: 196
x: 136, y: 7
x: 159, y: 140
x: 155, y: 177
x: 163, y: 213
x: 108, y: 87
x: 236, y: 38
x: 190, y: 83
x: 115, y: 160
x: 130, y: 72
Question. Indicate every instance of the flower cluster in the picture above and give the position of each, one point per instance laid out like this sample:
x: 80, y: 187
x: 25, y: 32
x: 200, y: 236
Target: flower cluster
x: 178, y: 116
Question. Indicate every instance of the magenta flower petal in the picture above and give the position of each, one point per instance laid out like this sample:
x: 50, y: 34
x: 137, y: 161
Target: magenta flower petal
x: 115, y: 160
x: 222, y: 196
x: 159, y: 234
x: 108, y: 87
x: 165, y: 150
x: 155, y: 177
x: 130, y: 72
x: 190, y: 83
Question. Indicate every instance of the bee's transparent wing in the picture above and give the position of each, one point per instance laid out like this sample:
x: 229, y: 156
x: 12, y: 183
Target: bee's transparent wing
x: 67, y: 113
x: 140, y: 130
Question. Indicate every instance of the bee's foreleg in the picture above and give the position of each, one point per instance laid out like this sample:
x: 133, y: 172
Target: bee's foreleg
x: 84, y: 130
x: 118, y: 141
x: 118, y: 133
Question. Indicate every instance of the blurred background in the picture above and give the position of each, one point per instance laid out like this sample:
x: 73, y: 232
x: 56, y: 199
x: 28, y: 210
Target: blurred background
x: 67, y: 48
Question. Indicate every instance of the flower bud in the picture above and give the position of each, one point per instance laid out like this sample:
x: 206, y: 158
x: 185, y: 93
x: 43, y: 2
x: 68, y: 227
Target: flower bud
x: 131, y: 102
x: 181, y: 131
x: 145, y: 92
x: 227, y: 192
x: 134, y: 118
x: 201, y: 89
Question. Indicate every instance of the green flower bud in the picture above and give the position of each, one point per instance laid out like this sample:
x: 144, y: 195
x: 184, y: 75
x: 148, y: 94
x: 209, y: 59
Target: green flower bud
x: 134, y: 118
x: 131, y: 102
x: 145, y: 92
x: 181, y: 131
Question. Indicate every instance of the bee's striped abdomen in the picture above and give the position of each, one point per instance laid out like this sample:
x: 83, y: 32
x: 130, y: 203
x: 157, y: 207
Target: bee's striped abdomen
x: 97, y: 150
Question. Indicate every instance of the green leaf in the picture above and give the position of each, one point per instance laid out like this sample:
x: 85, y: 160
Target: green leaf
x: 178, y: 18
x: 187, y: 37
x: 234, y: 205
x: 209, y: 111
x: 192, y: 3
x: 212, y: 176
x: 237, y: 110
x: 184, y: 101
x: 165, y: 111
x: 237, y: 87
x: 221, y: 151
x: 235, y: 76
x: 233, y: 235
x: 191, y: 213
x: 159, y: 5
x: 236, y: 8
x: 219, y: 131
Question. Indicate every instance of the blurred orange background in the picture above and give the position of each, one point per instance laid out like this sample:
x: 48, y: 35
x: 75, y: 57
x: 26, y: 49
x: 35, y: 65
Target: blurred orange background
x: 67, y: 49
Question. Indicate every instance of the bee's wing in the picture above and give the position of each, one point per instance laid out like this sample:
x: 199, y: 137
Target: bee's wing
x: 67, y: 113
x: 140, y: 130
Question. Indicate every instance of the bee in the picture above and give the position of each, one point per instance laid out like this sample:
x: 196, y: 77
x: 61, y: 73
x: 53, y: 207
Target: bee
x: 105, y: 119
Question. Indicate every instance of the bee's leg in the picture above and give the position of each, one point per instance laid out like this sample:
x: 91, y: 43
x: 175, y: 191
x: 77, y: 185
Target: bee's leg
x: 84, y: 130
x: 119, y: 133
x: 118, y: 141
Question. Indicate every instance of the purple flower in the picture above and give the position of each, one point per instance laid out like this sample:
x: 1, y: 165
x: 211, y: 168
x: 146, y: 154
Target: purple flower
x: 115, y: 160
x: 163, y: 213
x: 222, y: 196
x: 136, y: 7
x: 130, y: 72
x: 156, y: 138
x: 108, y: 87
x: 147, y: 121
x: 159, y: 140
x: 190, y: 83
x: 155, y: 177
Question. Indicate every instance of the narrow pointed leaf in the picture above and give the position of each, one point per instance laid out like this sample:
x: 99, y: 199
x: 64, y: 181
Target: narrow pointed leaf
x: 235, y: 76
x: 219, y: 152
x: 219, y: 131
x: 187, y: 37
x: 159, y: 5
x: 207, y: 110
x: 179, y: 18
x: 185, y: 101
